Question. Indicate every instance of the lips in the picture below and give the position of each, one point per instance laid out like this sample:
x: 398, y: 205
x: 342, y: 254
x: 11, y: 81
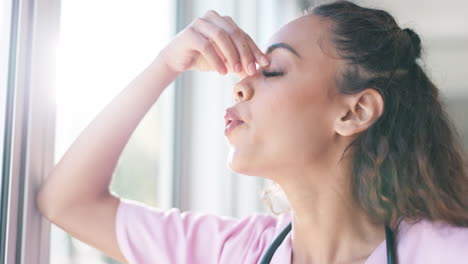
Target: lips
x: 231, y: 115
x: 232, y: 120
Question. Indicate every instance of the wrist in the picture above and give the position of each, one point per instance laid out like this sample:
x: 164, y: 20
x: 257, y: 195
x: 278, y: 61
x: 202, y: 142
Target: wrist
x: 163, y: 61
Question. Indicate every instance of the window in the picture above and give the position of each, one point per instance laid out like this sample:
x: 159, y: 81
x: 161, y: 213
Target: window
x: 103, y: 46
x: 5, y: 17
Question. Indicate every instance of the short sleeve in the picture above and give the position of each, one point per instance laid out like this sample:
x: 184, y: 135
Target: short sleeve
x: 148, y: 235
x: 433, y: 243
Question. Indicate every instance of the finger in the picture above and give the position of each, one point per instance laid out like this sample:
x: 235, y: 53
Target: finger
x: 218, y: 50
x: 247, y: 58
x: 223, y: 58
x: 207, y: 51
x: 238, y: 38
x: 221, y: 39
x: 261, y: 59
x: 241, y: 75
x: 211, y: 13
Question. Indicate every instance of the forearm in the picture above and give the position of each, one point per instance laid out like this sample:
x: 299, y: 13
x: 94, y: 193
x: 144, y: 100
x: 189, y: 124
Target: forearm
x: 84, y: 173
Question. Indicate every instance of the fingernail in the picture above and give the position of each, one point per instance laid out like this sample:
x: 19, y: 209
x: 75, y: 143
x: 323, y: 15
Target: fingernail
x: 238, y: 67
x: 251, y: 68
x: 263, y: 61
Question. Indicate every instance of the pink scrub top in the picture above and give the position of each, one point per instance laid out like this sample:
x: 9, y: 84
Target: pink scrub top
x: 148, y: 235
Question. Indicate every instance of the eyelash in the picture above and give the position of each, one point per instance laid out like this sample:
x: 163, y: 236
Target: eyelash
x: 272, y: 73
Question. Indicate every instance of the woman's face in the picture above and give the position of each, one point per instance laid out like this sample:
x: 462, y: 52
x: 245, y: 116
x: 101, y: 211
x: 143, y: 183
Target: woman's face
x: 289, y: 117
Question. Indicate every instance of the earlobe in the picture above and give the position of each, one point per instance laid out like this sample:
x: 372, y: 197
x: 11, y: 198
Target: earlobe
x: 360, y: 111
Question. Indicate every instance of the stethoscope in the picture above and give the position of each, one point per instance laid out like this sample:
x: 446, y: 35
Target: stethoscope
x: 391, y: 258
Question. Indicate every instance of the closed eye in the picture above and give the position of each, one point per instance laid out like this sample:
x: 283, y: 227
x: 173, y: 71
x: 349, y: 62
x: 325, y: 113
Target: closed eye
x: 271, y: 73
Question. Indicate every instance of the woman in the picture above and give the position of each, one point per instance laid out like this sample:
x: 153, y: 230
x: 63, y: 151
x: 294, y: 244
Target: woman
x: 339, y: 114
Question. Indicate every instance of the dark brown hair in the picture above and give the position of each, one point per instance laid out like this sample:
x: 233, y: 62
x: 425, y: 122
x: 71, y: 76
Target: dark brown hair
x: 409, y: 164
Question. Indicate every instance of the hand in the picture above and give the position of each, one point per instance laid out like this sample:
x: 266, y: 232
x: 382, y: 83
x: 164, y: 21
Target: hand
x: 214, y: 43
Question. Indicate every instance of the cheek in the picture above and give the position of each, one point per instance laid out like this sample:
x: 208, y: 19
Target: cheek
x: 294, y: 126
x: 296, y: 133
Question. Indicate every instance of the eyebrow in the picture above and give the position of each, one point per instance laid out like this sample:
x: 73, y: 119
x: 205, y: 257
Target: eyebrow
x: 284, y: 46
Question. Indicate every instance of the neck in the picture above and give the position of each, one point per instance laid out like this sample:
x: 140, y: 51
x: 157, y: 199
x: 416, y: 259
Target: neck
x: 328, y: 226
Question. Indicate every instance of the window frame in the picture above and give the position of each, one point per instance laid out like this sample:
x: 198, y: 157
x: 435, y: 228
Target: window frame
x: 8, y: 70
x: 34, y: 32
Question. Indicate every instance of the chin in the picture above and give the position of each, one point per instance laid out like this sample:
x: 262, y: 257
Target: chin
x: 242, y: 164
x: 237, y: 162
x: 236, y: 166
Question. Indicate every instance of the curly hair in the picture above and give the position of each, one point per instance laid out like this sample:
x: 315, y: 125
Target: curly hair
x: 410, y: 163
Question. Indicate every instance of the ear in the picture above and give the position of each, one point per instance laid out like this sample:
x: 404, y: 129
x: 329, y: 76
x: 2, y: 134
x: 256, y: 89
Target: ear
x: 359, y: 112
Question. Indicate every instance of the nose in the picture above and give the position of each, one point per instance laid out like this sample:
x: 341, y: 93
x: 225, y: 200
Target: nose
x: 242, y: 91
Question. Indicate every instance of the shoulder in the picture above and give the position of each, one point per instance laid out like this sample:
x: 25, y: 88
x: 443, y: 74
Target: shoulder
x: 432, y: 242
x: 133, y: 212
x: 146, y: 233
